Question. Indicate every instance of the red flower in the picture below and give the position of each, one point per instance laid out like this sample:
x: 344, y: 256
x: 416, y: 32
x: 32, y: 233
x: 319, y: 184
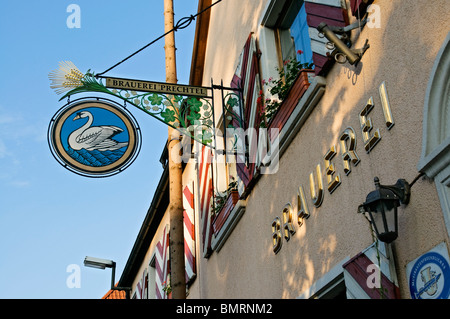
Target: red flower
x: 299, y: 52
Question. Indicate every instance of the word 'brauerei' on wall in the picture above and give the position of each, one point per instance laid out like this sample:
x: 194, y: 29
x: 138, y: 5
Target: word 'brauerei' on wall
x: 284, y: 226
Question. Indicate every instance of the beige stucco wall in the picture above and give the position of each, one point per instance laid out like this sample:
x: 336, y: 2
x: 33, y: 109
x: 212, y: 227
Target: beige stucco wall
x: 402, y: 53
x: 230, y: 24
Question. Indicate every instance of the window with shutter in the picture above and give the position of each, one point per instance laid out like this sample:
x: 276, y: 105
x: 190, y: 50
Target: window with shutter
x: 371, y: 274
x: 295, y: 23
x: 292, y: 35
x: 205, y: 193
x: 289, y: 33
x: 368, y: 275
x: 162, y: 265
x: 333, y: 14
x: 286, y: 25
x: 247, y: 78
x: 142, y: 286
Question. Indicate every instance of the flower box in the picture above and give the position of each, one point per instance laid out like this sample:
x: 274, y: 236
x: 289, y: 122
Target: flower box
x: 294, y: 95
x: 223, y: 214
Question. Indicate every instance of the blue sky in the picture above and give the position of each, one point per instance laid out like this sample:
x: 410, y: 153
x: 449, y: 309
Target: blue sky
x: 51, y: 218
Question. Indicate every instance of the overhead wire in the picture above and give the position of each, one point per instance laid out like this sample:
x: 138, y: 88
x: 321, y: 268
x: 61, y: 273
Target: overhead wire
x: 181, y: 24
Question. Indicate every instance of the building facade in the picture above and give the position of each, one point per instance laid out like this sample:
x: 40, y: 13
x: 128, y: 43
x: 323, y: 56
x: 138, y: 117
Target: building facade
x: 291, y: 226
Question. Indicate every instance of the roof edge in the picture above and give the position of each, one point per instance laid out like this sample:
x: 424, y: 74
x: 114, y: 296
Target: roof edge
x: 200, y: 42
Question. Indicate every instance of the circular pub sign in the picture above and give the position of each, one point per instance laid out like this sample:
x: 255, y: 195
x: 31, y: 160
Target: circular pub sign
x: 429, y: 275
x: 94, y: 137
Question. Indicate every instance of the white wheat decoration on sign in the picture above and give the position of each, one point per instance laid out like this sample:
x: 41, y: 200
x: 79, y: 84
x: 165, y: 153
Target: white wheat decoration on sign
x: 66, y: 77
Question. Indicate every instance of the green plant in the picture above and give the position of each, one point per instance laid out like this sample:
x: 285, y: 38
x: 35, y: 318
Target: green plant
x: 280, y: 87
x: 167, y: 288
x: 220, y: 198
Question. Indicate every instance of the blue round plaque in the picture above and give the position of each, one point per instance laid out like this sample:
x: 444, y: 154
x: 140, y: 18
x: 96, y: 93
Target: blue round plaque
x: 94, y: 137
x: 429, y: 277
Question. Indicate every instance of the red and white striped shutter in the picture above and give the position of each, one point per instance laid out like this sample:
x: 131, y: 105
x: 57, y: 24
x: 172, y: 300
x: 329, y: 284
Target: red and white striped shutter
x: 361, y: 273
x: 142, y: 286
x: 205, y: 197
x: 189, y: 231
x: 247, y: 77
x: 359, y: 7
x: 162, y: 264
x: 333, y: 14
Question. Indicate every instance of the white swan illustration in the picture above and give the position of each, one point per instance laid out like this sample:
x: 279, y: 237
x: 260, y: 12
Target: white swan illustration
x: 94, y: 137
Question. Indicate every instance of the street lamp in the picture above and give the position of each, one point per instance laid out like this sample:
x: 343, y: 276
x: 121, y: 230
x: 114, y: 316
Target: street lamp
x: 100, y: 263
x: 382, y: 203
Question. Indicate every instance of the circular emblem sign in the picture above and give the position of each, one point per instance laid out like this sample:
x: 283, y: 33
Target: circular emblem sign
x: 94, y: 138
x: 429, y: 277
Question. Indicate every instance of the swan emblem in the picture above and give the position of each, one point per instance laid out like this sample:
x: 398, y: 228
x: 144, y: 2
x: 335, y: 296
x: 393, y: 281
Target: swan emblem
x: 94, y: 137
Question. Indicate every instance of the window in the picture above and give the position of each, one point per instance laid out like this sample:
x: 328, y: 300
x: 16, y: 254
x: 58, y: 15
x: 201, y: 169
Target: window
x: 436, y: 129
x: 331, y: 286
x: 152, y: 278
x: 295, y: 24
x: 292, y: 33
x: 334, y: 290
x: 285, y: 31
x: 350, y: 278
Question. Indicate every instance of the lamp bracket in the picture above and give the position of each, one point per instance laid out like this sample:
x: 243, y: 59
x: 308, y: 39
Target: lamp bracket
x: 341, y: 45
x: 350, y: 27
x: 401, y: 189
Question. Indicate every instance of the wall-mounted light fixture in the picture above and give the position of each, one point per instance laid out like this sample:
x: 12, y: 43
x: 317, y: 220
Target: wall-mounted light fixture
x: 100, y: 263
x: 382, y: 203
x: 340, y: 42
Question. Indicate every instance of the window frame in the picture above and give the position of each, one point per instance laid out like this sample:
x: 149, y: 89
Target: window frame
x: 279, y: 18
x: 328, y: 284
x: 435, y: 147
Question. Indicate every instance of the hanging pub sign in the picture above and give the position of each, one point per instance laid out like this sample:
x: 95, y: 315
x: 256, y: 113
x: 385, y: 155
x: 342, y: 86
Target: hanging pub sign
x: 75, y: 129
x: 185, y: 108
x: 94, y: 137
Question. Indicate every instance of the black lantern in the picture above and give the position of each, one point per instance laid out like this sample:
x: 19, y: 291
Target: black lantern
x: 382, y: 203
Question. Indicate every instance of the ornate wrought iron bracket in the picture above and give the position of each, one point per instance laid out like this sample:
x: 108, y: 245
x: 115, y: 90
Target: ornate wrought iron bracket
x: 188, y: 109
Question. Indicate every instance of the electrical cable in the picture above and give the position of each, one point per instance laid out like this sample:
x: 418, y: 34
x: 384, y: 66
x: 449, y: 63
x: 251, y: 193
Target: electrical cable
x: 181, y: 24
x: 416, y: 178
